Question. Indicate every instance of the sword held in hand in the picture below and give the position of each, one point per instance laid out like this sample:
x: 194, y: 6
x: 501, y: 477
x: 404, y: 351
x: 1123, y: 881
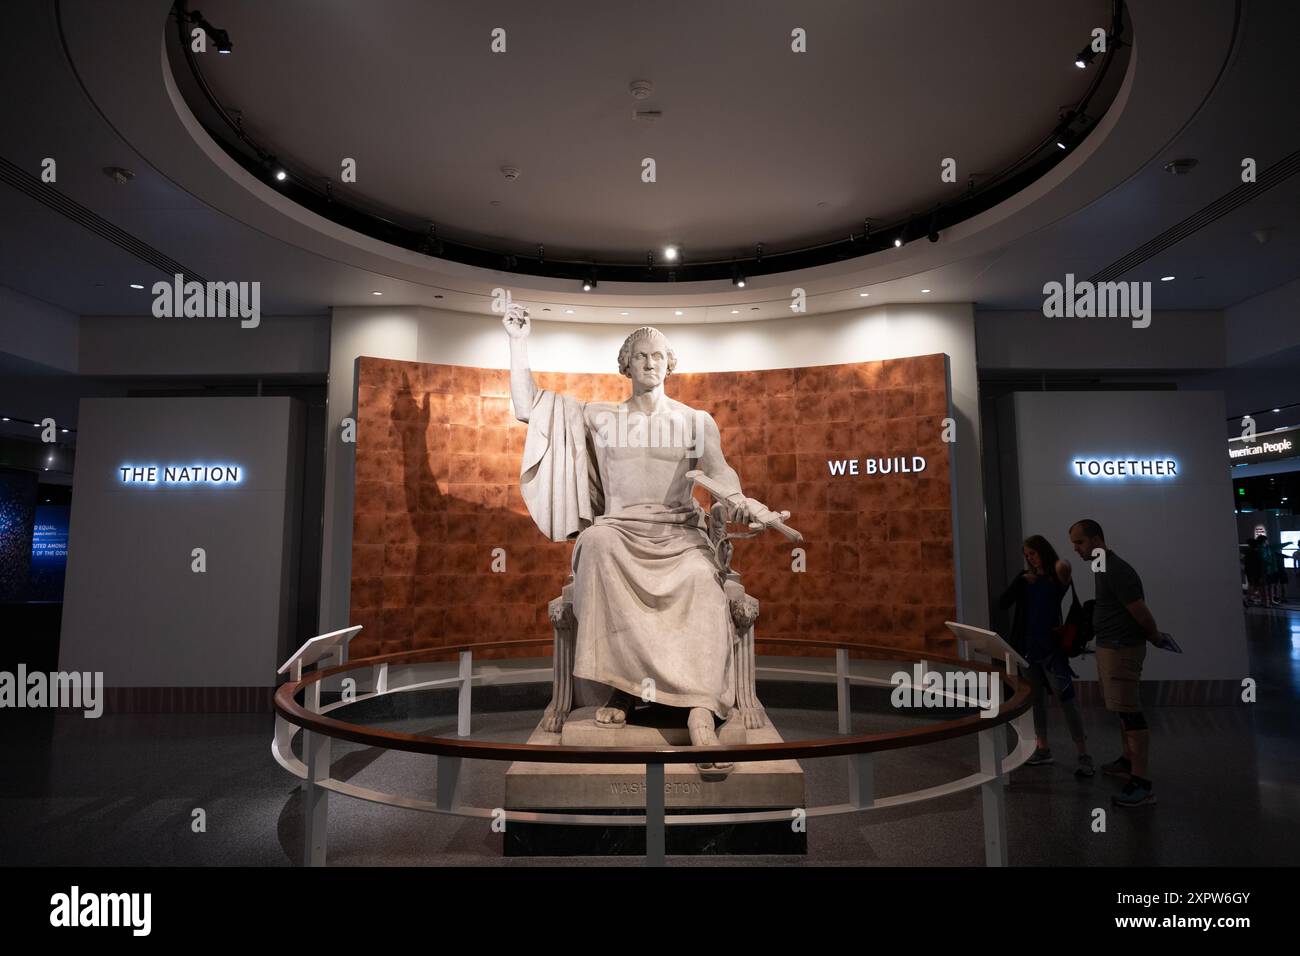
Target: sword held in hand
x: 765, y: 519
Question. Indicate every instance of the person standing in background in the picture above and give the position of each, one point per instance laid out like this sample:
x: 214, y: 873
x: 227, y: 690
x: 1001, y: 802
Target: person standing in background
x: 1036, y: 595
x: 1254, y: 562
x: 1122, y: 624
x: 1274, y: 573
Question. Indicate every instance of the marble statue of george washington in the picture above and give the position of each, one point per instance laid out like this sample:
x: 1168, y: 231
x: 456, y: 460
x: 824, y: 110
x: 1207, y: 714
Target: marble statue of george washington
x: 648, y: 598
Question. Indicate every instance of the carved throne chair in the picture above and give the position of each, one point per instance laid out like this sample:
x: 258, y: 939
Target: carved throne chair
x: 744, y: 613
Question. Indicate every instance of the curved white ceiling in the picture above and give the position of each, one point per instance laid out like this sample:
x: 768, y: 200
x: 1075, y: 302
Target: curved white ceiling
x: 1175, y: 62
x: 755, y: 142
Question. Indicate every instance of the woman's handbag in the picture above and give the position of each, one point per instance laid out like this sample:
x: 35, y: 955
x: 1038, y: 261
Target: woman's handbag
x: 1075, y: 634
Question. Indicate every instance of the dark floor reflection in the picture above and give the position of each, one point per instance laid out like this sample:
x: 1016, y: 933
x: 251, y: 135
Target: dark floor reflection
x: 121, y: 790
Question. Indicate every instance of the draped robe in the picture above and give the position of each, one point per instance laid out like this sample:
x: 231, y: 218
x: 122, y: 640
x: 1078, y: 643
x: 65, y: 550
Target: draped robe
x: 647, y: 591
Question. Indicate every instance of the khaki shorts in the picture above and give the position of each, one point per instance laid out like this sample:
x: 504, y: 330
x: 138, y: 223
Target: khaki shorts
x: 1120, y: 670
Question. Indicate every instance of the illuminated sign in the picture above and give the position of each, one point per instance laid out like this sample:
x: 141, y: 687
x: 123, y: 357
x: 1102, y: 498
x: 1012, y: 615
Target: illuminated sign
x: 1267, y: 446
x: 900, y: 465
x: 1124, y: 468
x: 180, y: 474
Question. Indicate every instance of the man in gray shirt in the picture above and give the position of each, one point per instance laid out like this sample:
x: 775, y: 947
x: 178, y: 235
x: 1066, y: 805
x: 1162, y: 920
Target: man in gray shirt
x: 1122, y: 624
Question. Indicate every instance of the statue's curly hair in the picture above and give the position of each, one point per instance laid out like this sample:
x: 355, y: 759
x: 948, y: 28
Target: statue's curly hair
x: 625, y: 353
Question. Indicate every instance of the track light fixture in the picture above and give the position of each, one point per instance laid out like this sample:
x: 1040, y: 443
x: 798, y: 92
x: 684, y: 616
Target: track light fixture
x: 932, y: 232
x: 589, y: 283
x: 1065, y: 134
x: 1086, y: 56
x: 430, y: 245
x: 908, y: 234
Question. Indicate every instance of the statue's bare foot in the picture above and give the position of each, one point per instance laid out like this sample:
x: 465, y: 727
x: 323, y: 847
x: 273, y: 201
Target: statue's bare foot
x: 615, y: 711
x: 700, y: 724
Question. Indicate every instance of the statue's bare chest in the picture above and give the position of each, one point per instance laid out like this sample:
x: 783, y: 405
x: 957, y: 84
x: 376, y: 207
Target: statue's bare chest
x: 645, y: 455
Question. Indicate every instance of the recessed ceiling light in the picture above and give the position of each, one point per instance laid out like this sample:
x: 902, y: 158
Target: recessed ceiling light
x: 136, y: 285
x: 863, y: 295
x: 65, y: 431
x: 376, y: 293
x: 5, y: 419
x: 735, y: 312
x: 1166, y: 278
x: 897, y: 243
x: 678, y: 312
x: 923, y: 291
x: 281, y: 175
x: 623, y: 313
x: 670, y: 253
x: 568, y: 312
x: 1277, y: 409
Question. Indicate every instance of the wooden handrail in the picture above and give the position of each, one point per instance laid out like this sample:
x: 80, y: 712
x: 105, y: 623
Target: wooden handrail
x: 287, y: 706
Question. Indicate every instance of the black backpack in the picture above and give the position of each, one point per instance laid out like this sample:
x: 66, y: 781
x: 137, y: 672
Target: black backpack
x: 1076, y: 633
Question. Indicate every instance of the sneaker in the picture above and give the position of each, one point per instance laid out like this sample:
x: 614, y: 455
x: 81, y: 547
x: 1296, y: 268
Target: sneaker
x: 1085, y: 768
x: 1040, y: 756
x: 1119, y: 767
x: 1134, y: 795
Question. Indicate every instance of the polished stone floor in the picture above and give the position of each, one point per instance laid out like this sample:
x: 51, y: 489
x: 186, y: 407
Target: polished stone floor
x: 123, y: 790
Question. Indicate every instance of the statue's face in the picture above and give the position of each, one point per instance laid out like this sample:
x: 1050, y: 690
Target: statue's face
x: 648, y: 363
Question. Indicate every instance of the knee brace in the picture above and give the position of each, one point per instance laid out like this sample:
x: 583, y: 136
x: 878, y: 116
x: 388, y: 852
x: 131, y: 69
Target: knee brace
x: 1133, y: 720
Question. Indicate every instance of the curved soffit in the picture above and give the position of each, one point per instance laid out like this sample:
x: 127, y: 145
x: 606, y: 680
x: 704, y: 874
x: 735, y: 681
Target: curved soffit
x: 131, y: 83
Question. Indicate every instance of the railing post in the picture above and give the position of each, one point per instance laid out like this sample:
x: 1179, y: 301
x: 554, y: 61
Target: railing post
x: 842, y: 688
x: 315, y: 804
x: 463, y: 701
x: 862, y: 780
x: 654, y: 814
x: 448, y: 781
x: 993, y: 751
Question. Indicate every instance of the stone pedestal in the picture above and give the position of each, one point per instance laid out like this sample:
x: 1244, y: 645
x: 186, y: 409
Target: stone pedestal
x: 620, y: 789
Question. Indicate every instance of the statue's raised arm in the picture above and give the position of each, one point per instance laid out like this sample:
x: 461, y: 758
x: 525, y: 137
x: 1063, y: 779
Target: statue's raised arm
x: 559, y: 484
x: 522, y: 390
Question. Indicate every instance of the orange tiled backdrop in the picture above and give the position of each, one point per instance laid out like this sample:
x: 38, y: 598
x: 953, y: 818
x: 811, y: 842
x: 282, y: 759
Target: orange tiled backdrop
x: 437, y: 488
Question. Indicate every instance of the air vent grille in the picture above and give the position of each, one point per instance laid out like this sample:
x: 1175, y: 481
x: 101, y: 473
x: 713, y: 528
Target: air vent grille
x: 1277, y: 173
x: 25, y: 182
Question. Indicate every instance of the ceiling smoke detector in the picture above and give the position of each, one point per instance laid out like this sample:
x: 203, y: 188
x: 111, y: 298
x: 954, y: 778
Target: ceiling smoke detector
x: 640, y: 89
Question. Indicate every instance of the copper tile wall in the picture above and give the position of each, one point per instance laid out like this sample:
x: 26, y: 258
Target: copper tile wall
x: 437, y: 488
